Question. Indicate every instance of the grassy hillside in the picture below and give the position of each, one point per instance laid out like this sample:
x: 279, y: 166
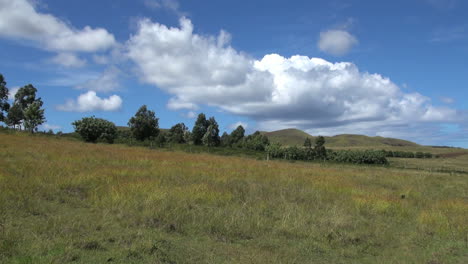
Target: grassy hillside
x: 360, y: 140
x: 64, y: 201
x: 296, y: 137
x: 290, y: 137
x: 287, y: 137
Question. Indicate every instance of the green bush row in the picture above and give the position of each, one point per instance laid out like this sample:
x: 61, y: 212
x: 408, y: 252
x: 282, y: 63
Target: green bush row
x: 407, y: 154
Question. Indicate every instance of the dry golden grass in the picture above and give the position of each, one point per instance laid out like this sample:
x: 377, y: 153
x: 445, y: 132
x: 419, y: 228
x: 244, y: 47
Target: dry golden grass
x: 64, y: 201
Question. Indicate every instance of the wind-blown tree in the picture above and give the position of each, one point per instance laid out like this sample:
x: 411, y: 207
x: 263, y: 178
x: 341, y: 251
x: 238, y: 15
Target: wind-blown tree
x: 211, y: 137
x: 237, y: 135
x: 177, y: 134
x: 15, y: 116
x: 34, y: 116
x: 92, y: 129
x: 4, y: 105
x: 199, y: 129
x: 319, y: 148
x: 144, y: 124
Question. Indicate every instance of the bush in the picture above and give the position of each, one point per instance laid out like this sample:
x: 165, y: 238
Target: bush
x: 93, y: 129
x: 359, y: 157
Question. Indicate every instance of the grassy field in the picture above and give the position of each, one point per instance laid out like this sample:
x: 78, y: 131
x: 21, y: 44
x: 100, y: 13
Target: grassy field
x: 65, y: 201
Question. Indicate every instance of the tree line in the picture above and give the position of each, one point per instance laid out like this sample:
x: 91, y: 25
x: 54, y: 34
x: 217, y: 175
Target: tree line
x: 144, y: 127
x: 25, y: 112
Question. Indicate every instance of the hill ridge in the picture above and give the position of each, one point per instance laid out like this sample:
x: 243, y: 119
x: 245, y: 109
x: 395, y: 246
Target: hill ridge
x: 294, y: 136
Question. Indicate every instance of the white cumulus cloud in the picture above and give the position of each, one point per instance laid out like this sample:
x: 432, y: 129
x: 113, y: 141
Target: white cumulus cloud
x: 106, y: 82
x: 48, y: 126
x: 89, y: 102
x: 235, y: 125
x: 12, y: 92
x: 336, y: 42
x: 276, y: 91
x: 19, y: 19
x: 68, y: 60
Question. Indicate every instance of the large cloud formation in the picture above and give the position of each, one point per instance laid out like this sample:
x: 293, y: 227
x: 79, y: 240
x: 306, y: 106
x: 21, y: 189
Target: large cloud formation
x: 276, y: 91
x: 20, y: 20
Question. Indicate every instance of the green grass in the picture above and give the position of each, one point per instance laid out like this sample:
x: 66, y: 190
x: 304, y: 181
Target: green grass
x: 65, y: 201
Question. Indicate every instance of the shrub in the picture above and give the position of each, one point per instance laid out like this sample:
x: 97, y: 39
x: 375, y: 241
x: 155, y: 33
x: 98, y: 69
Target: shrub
x: 427, y: 155
x: 359, y: 157
x: 92, y: 129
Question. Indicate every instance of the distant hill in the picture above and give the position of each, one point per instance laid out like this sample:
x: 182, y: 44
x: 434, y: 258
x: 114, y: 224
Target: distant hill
x: 288, y: 137
x: 293, y: 136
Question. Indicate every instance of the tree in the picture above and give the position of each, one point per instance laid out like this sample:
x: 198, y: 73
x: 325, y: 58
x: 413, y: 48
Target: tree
x: 237, y: 135
x: 256, y: 141
x: 160, y: 140
x: 92, y: 129
x: 199, y: 129
x: 211, y: 137
x: 225, y: 140
x: 319, y: 148
x: 15, y: 116
x: 308, y: 143
x: 177, y: 134
x: 144, y: 124
x: 4, y: 105
x: 25, y: 96
x: 33, y: 116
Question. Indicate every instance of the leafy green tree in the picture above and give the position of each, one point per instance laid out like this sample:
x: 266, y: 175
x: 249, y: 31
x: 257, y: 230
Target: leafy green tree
x: 199, y: 129
x: 237, y: 135
x: 92, y: 129
x: 34, y: 116
x: 144, y: 124
x: 256, y: 141
x: 177, y: 133
x: 25, y: 96
x: 15, y: 116
x: 160, y: 140
x: 225, y: 140
x: 319, y: 148
x: 211, y: 137
x: 275, y: 151
x: 4, y: 105
x: 308, y: 143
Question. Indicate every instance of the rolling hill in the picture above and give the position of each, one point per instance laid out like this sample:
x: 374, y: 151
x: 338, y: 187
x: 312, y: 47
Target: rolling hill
x: 296, y: 137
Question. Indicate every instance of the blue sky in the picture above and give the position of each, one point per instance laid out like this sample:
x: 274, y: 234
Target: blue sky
x: 380, y: 68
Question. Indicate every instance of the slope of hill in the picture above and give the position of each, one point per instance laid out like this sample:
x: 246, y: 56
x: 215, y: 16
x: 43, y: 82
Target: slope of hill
x: 296, y: 137
x: 287, y: 137
x: 347, y: 140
